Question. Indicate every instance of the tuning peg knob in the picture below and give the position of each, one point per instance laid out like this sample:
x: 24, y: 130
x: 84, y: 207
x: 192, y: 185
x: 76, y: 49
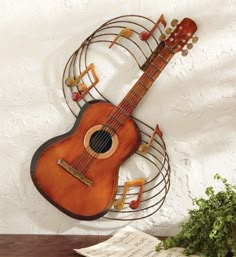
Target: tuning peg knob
x: 174, y: 22
x: 168, y: 31
x: 162, y: 37
x: 189, y: 46
x: 195, y: 40
x: 184, y: 52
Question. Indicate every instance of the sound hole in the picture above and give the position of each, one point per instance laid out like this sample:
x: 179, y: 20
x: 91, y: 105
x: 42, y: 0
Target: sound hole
x: 100, y: 141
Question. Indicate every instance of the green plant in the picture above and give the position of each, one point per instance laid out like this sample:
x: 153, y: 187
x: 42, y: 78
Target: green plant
x: 211, y: 228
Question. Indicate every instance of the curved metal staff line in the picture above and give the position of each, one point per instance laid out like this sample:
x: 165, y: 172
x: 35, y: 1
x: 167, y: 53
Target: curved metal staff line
x: 86, y: 48
x: 63, y: 86
x: 72, y: 61
x: 157, y: 142
x: 148, y: 207
x: 103, y: 26
x: 112, y: 22
x: 146, y: 191
x: 118, y: 44
x: 149, y: 181
x: 87, y: 41
x: 140, y: 26
x: 166, y: 160
x: 122, y: 27
x: 153, y: 147
x: 150, y: 214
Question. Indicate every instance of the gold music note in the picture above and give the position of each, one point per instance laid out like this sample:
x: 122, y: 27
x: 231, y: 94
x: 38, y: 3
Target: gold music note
x: 83, y: 88
x: 144, y: 35
x: 126, y: 32
x: 143, y: 148
x: 119, y: 204
x: 70, y: 82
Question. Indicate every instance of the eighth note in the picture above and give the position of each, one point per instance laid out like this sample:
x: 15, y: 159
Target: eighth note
x: 119, y: 204
x: 144, y: 35
x: 143, y: 148
x: 126, y: 32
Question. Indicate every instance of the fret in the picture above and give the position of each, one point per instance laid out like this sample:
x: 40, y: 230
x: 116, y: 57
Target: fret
x: 136, y: 93
x: 163, y: 59
x: 144, y: 86
x: 124, y: 112
x: 119, y: 121
x: 149, y: 76
x: 115, y: 119
x: 170, y: 49
x: 109, y: 127
x: 155, y: 66
x: 128, y: 101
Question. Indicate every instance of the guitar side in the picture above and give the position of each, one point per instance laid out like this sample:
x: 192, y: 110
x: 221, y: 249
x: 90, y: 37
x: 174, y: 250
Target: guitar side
x: 74, y: 197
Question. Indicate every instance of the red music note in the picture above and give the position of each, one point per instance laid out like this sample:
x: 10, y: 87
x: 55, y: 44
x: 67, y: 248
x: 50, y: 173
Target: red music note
x: 135, y: 203
x: 144, y: 35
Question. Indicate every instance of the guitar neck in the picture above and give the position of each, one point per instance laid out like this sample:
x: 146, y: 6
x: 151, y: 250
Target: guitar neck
x: 141, y: 87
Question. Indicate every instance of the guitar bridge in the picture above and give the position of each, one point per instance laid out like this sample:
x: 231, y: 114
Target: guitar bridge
x: 75, y: 173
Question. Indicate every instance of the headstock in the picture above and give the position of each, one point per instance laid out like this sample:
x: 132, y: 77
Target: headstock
x: 181, y: 35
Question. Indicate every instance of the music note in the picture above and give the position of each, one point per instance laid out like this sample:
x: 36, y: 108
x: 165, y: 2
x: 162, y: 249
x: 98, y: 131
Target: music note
x: 134, y: 204
x: 82, y: 87
x: 144, y: 35
x: 143, y: 148
x: 119, y: 204
x: 126, y: 32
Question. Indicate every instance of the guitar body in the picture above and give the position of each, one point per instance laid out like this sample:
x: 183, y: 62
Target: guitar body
x: 91, y: 196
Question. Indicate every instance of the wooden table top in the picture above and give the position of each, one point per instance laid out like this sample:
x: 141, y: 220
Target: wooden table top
x: 45, y: 245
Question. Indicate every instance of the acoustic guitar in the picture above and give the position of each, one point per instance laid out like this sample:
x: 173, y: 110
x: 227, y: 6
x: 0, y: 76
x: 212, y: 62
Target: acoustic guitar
x: 78, y: 171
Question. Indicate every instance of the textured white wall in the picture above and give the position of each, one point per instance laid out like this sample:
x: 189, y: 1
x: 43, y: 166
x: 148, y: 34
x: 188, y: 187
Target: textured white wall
x: 195, y: 104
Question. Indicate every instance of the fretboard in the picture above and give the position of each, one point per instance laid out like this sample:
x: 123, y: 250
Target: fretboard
x: 140, y: 88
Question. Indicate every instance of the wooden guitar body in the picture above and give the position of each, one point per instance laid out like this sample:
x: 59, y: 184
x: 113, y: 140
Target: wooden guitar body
x: 68, y: 171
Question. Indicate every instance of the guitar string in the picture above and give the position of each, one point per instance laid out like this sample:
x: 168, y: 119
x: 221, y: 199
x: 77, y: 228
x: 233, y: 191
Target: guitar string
x: 125, y: 107
x: 106, y: 138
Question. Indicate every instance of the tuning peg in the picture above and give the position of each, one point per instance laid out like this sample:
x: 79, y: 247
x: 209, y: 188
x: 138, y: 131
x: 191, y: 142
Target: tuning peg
x: 195, y: 39
x: 189, y: 46
x: 168, y: 31
x: 162, y: 37
x: 174, y: 22
x: 184, y: 52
